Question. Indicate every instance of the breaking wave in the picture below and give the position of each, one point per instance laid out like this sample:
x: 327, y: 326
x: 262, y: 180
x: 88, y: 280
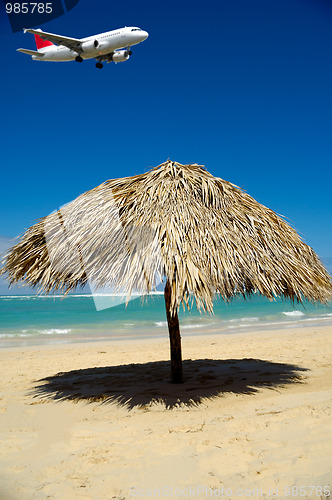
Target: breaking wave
x: 293, y: 313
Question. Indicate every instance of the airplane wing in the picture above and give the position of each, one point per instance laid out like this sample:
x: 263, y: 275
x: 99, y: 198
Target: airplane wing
x: 31, y: 52
x: 71, y: 43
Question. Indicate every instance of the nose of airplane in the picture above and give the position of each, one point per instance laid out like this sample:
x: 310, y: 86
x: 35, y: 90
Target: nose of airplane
x: 145, y: 34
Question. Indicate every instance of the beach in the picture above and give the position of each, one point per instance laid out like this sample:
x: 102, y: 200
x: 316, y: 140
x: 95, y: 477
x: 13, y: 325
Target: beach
x: 100, y: 420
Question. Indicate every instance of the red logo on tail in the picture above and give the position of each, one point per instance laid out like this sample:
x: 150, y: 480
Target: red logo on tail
x: 42, y: 43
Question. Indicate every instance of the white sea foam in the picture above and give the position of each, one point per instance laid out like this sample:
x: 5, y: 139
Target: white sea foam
x: 293, y: 313
x: 237, y: 320
x: 182, y: 327
x: 51, y: 331
x: 31, y: 333
x: 326, y: 317
x: 28, y: 333
x: 186, y: 327
x: 31, y: 297
x: 15, y: 296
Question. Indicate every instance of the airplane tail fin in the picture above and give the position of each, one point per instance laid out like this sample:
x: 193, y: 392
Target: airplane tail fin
x: 40, y: 43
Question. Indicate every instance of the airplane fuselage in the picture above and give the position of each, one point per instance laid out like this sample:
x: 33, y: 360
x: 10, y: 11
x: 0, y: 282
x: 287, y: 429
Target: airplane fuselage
x: 95, y: 46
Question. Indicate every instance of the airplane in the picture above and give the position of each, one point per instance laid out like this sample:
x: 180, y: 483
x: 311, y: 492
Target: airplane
x: 101, y: 47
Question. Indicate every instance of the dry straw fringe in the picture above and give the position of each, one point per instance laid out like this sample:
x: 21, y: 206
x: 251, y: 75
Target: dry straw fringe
x: 204, y: 234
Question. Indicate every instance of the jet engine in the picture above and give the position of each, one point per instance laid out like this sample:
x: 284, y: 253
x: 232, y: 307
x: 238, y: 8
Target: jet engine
x: 90, y: 45
x: 120, y: 56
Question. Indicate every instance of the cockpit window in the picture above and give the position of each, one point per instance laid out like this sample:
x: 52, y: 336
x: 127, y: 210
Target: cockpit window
x: 136, y: 29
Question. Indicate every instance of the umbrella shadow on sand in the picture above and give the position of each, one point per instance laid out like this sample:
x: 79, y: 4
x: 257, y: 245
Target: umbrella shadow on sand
x: 142, y: 385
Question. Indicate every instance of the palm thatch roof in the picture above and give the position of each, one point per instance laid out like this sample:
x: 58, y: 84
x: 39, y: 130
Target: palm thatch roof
x: 204, y: 234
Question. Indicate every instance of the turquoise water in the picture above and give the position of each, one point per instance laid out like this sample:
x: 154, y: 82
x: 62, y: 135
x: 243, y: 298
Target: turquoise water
x: 26, y: 320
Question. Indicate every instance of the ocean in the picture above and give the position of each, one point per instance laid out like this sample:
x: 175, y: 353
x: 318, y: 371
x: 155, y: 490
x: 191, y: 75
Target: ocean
x: 37, y: 320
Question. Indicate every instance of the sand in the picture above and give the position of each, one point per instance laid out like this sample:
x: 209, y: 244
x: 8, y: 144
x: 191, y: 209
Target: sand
x: 252, y: 420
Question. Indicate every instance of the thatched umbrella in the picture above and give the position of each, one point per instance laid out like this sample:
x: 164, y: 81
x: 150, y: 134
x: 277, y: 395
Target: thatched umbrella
x: 202, y: 234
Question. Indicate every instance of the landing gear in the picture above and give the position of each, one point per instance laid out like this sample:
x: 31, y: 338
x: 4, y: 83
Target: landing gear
x: 78, y: 59
x: 99, y: 65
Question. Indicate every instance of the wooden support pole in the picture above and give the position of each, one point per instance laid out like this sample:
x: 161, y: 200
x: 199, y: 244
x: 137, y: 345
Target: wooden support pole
x: 174, y: 337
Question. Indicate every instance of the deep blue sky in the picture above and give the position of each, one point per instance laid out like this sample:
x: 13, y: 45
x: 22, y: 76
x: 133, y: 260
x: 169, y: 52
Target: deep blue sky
x: 244, y: 88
